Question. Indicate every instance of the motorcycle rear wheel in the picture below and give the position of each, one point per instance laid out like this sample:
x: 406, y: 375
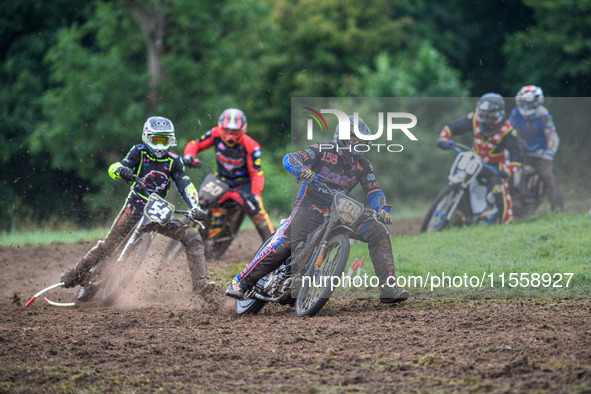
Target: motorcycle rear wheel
x: 444, y: 206
x: 252, y: 305
x: 118, y: 274
x: 312, y: 297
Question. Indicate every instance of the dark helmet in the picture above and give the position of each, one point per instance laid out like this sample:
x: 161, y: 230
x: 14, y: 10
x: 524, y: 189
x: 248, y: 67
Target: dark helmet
x: 158, y: 136
x: 491, y: 111
x: 344, y: 146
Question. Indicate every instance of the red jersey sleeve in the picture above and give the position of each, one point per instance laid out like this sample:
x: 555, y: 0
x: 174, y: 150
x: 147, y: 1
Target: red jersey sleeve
x: 204, y: 142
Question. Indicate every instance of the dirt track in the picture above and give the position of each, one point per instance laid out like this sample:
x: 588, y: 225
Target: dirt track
x: 161, y: 337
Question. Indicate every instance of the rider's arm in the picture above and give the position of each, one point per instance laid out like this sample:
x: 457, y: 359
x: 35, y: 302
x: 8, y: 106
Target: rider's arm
x: 552, y: 139
x: 296, y: 161
x: 183, y: 183
x: 130, y: 160
x: 253, y: 163
x: 375, y: 195
x: 204, y: 142
x: 457, y: 127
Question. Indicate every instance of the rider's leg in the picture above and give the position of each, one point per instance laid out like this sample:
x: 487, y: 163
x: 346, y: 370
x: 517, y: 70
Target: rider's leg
x: 300, y: 223
x: 500, y: 191
x: 121, y: 227
x: 546, y: 171
x: 376, y: 236
x: 262, y: 222
x: 193, y: 243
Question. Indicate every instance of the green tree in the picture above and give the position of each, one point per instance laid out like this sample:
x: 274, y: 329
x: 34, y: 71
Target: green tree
x: 553, y: 51
x: 471, y: 36
x: 28, y: 182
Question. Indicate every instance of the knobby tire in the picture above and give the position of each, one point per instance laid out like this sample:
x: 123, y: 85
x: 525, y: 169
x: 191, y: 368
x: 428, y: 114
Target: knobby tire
x: 312, y: 296
x: 443, y: 203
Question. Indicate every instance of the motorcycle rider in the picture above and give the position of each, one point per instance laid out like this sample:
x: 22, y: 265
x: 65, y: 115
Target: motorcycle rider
x: 341, y: 168
x: 539, y: 139
x: 157, y: 167
x: 492, y: 137
x: 238, y: 159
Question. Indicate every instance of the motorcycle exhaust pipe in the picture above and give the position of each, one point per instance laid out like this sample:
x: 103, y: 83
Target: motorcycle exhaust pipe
x: 266, y: 299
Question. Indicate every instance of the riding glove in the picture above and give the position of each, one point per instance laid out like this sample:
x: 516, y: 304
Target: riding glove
x: 125, y: 173
x: 445, y: 144
x: 307, y: 174
x: 198, y: 214
x: 384, y: 216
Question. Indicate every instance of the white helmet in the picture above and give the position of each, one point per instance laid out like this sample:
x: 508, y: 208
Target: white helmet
x: 158, y: 136
x: 528, y: 99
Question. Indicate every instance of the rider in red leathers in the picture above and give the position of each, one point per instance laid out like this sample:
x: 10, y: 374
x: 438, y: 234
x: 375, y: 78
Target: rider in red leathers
x: 238, y: 159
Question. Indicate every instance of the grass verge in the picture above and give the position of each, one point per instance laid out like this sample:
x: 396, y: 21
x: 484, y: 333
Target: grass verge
x: 546, y: 257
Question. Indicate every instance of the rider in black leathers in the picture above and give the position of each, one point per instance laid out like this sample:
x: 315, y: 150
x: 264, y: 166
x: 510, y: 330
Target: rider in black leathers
x: 152, y: 163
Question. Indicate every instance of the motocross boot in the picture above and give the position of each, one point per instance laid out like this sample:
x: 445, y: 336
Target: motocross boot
x: 393, y: 295
x: 80, y: 272
x: 88, y: 288
x: 236, y: 290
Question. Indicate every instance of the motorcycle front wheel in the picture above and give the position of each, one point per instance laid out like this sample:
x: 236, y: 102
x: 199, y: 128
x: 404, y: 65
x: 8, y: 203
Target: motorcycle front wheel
x: 119, y: 273
x: 316, y: 284
x: 442, y: 211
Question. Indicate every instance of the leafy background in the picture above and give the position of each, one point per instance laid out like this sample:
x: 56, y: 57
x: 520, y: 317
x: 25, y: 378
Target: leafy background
x: 78, y: 79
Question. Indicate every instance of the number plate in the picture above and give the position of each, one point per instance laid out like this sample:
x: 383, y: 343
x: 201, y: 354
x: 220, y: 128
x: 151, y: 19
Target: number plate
x: 466, y: 166
x: 347, y: 208
x: 158, y: 209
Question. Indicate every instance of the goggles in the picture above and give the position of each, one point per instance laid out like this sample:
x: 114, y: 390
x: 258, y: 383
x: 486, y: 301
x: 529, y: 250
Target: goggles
x: 160, y: 139
x: 233, y: 131
x: 490, y: 116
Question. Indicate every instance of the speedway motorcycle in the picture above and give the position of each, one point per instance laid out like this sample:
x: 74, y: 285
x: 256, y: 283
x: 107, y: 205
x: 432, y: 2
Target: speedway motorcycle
x: 303, y: 279
x: 467, y: 198
x: 228, y: 218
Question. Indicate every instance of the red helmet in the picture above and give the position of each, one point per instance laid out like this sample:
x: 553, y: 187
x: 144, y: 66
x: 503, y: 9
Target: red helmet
x: 233, y: 124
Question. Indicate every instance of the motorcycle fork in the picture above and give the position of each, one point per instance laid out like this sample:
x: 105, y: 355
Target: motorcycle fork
x: 324, y: 242
x: 450, y: 212
x: 136, y: 231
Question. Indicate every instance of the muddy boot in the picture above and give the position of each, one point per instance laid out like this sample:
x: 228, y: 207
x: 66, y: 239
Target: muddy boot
x: 80, y: 272
x: 203, y: 285
x: 74, y: 276
x: 88, y: 288
x: 236, y: 290
x: 263, y: 225
x: 393, y: 295
x: 199, y: 271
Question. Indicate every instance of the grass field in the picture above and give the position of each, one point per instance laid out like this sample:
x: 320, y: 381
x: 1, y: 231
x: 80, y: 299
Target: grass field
x: 530, y: 258
x: 42, y: 237
x: 539, y: 257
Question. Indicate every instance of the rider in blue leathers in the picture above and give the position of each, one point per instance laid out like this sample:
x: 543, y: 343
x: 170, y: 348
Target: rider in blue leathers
x: 536, y: 130
x: 341, y: 168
